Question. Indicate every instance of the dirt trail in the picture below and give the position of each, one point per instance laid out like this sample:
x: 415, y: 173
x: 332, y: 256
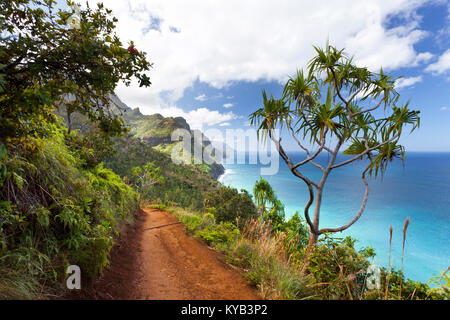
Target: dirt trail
x: 165, y: 263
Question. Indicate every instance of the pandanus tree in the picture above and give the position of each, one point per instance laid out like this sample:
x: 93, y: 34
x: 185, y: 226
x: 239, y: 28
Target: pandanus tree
x: 334, y: 107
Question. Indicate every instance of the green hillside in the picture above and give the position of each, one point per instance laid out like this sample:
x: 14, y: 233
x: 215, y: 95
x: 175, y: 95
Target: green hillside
x: 154, y: 130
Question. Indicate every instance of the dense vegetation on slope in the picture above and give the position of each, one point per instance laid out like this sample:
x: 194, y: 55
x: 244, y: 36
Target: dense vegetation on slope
x: 58, y: 205
x: 56, y: 210
x: 184, y: 185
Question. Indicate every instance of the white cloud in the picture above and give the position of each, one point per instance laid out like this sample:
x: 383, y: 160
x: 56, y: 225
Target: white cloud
x: 444, y: 108
x: 423, y: 57
x: 201, y: 97
x: 266, y: 40
x: 203, y: 116
x: 407, y: 82
x: 442, y: 65
x: 227, y: 105
x: 224, y: 124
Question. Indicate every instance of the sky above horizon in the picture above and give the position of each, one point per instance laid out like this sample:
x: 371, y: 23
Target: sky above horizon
x: 213, y: 58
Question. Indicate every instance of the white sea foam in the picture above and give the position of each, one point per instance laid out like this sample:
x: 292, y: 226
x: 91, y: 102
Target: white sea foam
x: 221, y: 177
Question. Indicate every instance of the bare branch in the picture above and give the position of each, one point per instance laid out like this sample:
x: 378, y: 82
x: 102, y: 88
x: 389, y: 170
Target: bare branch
x: 360, y: 211
x: 355, y: 94
x: 309, y: 158
x: 367, y: 110
x: 337, y: 88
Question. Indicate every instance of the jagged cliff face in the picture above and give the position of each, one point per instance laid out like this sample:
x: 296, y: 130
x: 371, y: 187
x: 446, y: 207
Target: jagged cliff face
x: 156, y: 130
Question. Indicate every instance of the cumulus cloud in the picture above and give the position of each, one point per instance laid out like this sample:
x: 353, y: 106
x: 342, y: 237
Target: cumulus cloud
x: 225, y: 124
x: 423, y: 57
x: 227, y: 105
x: 442, y: 65
x: 407, y: 82
x: 201, y: 97
x: 218, y: 42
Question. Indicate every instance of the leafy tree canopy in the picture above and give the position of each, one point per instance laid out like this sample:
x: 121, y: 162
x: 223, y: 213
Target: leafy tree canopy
x: 46, y: 62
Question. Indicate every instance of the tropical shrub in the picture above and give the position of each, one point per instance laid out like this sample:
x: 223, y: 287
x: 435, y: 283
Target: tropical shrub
x: 229, y: 204
x: 339, y: 269
x: 224, y: 232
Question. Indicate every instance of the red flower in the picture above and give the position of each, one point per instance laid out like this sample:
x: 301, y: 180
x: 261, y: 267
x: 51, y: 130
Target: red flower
x: 132, y: 49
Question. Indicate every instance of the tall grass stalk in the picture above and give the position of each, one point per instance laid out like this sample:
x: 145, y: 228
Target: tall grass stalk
x: 405, y: 228
x: 390, y: 265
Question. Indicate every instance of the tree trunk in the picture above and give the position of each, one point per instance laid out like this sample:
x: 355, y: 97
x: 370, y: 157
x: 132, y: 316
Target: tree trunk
x: 69, y: 122
x: 313, y: 234
x: 311, y: 244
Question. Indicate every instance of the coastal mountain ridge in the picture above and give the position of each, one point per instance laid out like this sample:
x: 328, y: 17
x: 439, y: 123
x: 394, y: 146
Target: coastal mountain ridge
x: 154, y: 130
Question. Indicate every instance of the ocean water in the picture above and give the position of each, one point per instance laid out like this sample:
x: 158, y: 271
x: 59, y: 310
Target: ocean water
x: 420, y: 190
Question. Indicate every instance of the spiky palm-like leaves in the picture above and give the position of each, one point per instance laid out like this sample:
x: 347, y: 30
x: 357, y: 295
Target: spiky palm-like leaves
x: 335, y: 101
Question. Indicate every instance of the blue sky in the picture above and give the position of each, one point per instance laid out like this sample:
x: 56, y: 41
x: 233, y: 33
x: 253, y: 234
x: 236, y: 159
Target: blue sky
x: 212, y: 59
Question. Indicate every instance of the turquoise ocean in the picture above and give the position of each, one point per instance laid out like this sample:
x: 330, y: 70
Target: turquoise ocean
x: 419, y: 189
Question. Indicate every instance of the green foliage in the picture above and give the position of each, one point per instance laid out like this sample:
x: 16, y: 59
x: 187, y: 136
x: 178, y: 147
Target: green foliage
x: 338, y: 268
x: 442, y: 286
x: 154, y: 128
x: 57, y: 213
x: 224, y: 232
x: 296, y: 231
x: 269, y: 207
x: 184, y: 185
x: 205, y: 227
x: 82, y: 67
x: 191, y: 222
x: 275, y: 279
x: 162, y: 207
x: 229, y: 204
x: 411, y: 290
x: 148, y: 175
x: 58, y: 204
x: 92, y: 147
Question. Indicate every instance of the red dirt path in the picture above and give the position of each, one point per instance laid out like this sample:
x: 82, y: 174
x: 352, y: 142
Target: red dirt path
x: 165, y: 263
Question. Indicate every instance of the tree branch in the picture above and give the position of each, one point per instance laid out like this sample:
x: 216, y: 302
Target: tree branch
x: 360, y: 211
x: 337, y: 88
x: 298, y: 174
x: 309, y: 158
x: 368, y: 110
x: 355, y: 94
x: 365, y: 152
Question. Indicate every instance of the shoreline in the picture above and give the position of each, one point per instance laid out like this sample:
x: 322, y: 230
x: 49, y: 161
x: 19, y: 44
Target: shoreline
x: 419, y: 253
x: 222, y: 176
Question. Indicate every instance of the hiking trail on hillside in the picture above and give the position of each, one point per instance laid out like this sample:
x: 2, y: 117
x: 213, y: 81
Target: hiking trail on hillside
x: 165, y: 263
